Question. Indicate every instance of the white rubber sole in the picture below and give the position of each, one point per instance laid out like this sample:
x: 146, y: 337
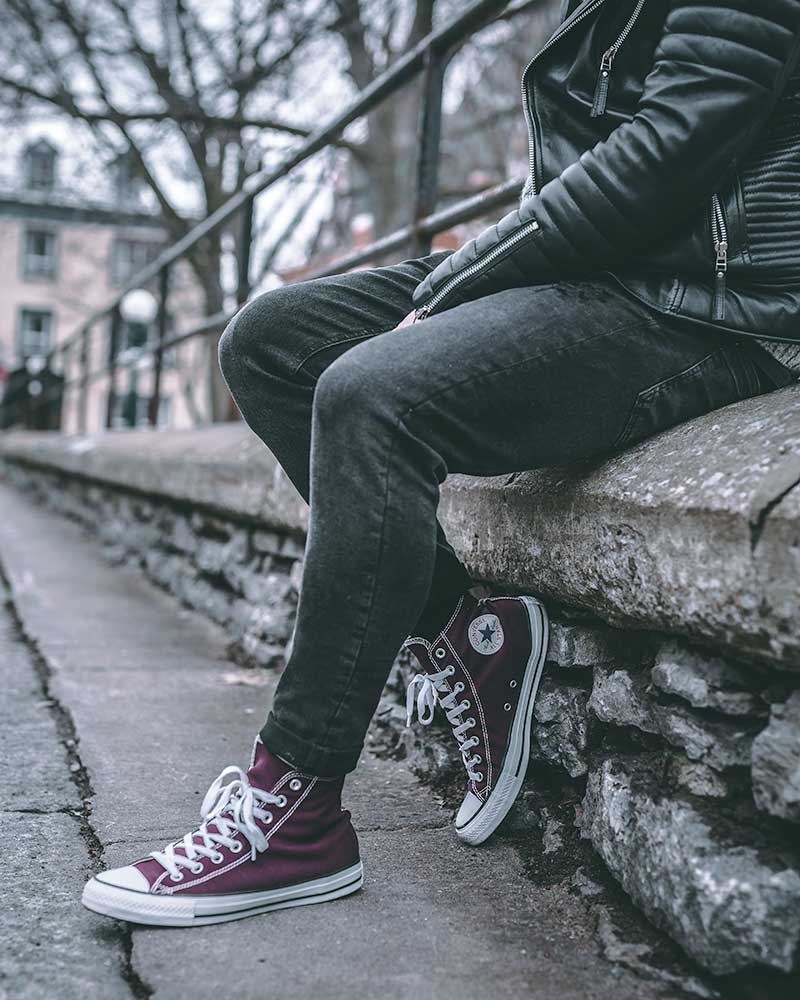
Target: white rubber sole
x: 191, y: 911
x: 509, y: 782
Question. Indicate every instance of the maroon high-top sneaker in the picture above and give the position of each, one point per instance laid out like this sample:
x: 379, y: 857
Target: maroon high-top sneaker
x: 271, y: 838
x: 484, y: 669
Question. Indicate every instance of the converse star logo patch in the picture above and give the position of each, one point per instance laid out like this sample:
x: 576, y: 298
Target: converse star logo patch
x: 486, y: 634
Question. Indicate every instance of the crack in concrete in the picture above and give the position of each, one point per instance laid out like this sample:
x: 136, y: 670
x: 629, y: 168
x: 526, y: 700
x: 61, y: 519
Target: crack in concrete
x: 62, y: 811
x: 68, y: 736
x: 776, y: 486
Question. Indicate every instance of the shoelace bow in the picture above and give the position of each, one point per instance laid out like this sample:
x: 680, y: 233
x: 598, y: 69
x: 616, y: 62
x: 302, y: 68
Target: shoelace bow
x: 233, y: 808
x: 433, y: 688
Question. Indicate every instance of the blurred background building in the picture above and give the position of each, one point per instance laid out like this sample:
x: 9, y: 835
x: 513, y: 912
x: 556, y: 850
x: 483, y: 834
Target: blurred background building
x: 64, y: 254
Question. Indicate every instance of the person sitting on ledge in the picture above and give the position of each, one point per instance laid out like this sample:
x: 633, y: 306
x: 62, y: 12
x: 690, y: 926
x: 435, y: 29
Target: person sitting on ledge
x: 649, y: 273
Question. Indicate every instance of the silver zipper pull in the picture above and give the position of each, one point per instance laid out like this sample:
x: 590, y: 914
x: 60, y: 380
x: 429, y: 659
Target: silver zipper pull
x: 420, y: 314
x: 603, y: 80
x: 720, y: 279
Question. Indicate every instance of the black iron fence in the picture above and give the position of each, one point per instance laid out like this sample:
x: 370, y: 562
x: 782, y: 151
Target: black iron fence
x: 68, y: 364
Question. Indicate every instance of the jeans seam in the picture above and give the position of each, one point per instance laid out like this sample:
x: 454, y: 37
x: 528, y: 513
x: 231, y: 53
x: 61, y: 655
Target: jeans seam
x: 373, y: 580
x: 361, y: 335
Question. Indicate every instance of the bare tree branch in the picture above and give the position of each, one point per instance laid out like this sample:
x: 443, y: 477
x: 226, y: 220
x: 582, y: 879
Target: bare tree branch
x: 353, y: 30
x: 65, y: 102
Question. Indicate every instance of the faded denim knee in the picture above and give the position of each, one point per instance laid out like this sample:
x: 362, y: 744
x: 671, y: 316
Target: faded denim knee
x: 261, y: 337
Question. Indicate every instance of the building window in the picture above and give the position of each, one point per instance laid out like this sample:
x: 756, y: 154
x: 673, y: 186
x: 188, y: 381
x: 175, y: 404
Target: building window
x: 40, y: 166
x: 39, y: 254
x: 35, y: 332
x: 129, y: 257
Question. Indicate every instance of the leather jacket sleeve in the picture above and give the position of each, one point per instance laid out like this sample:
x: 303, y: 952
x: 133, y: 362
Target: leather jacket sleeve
x: 717, y: 71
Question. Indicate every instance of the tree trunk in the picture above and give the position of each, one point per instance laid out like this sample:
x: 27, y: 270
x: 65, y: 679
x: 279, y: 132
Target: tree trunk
x: 390, y: 159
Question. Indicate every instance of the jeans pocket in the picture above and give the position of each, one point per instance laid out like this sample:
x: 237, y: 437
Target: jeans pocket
x: 723, y: 376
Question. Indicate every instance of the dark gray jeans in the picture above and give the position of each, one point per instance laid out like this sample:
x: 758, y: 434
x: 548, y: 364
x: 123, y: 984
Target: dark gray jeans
x: 367, y: 421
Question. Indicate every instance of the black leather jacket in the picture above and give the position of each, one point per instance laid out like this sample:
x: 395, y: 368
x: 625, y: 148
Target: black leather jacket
x: 664, y: 150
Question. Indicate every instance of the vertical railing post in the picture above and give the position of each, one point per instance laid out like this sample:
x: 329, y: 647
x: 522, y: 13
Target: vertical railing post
x: 243, y: 259
x: 113, y: 349
x: 154, y: 403
x: 83, y: 388
x: 429, y: 136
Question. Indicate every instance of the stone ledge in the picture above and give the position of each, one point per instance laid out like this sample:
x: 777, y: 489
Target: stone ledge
x: 224, y: 469
x: 695, y: 532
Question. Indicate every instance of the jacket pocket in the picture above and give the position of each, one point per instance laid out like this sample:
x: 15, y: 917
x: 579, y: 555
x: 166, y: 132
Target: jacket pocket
x: 723, y: 376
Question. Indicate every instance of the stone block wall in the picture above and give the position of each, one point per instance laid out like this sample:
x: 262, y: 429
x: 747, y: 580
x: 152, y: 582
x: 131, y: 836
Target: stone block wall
x: 664, y: 754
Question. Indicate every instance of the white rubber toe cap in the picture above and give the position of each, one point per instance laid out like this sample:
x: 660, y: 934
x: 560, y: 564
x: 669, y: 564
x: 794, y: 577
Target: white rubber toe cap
x: 125, y: 878
x: 469, y: 808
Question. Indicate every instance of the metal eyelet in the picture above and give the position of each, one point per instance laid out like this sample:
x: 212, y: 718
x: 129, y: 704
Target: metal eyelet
x: 218, y: 858
x: 513, y: 684
x: 450, y: 669
x: 467, y: 704
x: 295, y: 784
x: 268, y: 818
x: 196, y: 869
x: 439, y: 653
x: 507, y: 706
x: 471, y: 723
x: 282, y: 800
x: 176, y: 878
x: 479, y: 759
x: 479, y: 775
x: 458, y: 687
x: 236, y: 847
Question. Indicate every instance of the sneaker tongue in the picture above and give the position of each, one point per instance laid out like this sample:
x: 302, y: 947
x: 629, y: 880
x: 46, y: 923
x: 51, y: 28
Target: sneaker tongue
x: 267, y: 769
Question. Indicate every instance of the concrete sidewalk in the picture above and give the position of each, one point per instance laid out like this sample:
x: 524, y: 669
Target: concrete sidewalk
x: 120, y: 709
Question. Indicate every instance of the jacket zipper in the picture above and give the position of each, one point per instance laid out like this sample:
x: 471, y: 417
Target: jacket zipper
x: 607, y: 62
x: 719, y: 232
x: 526, y: 104
x: 475, y: 267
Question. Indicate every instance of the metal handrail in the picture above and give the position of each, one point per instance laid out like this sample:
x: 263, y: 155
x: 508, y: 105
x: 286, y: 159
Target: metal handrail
x: 431, y: 55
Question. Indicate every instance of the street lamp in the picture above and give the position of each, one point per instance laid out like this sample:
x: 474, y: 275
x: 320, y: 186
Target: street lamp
x: 138, y: 306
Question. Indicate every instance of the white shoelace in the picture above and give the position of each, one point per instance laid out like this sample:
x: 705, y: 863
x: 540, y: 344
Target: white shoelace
x: 233, y: 808
x: 433, y: 688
